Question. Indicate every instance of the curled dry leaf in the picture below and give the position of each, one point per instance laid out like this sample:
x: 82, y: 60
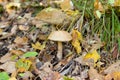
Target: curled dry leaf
x: 21, y: 40
x: 76, y: 39
x: 23, y: 27
x: 9, y: 6
x: 16, y: 52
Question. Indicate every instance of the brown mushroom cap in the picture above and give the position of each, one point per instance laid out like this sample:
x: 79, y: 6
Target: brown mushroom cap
x: 60, y: 36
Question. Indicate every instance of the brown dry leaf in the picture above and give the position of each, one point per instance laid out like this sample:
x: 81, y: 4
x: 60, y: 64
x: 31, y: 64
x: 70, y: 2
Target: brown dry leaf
x: 98, y: 6
x: 108, y: 77
x: 8, y: 67
x: 17, y: 52
x: 115, y: 67
x: 46, y: 72
x: 53, y: 16
x: 5, y: 58
x: 39, y: 24
x: 21, y: 40
x: 4, y: 24
x: 23, y: 27
x: 52, y: 76
x: 14, y: 29
x: 94, y: 75
x: 114, y: 76
x: 80, y: 59
x: 115, y: 51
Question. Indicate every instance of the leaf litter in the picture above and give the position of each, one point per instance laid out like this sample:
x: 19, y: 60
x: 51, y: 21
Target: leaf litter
x: 27, y: 53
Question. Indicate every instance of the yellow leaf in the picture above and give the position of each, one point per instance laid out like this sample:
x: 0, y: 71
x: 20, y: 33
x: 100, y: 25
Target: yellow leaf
x: 12, y: 78
x: 77, y: 38
x: 98, y: 9
x: 117, y: 3
x: 72, y: 13
x: 1, y: 30
x: 9, y: 6
x: 65, y: 5
x: 92, y: 55
x: 38, y: 46
x: 116, y: 75
x: 23, y: 65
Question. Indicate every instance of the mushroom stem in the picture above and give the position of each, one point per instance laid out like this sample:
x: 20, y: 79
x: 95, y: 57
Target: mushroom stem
x: 59, y: 53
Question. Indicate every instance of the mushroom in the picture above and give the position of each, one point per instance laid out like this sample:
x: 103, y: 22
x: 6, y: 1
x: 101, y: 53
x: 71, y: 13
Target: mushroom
x: 60, y: 36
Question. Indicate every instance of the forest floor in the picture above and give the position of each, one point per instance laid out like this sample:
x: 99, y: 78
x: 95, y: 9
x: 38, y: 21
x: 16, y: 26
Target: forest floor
x: 59, y: 40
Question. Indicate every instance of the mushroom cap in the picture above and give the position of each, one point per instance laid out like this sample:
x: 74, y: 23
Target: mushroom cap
x: 60, y: 36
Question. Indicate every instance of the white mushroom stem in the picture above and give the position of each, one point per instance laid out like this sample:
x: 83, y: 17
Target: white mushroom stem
x: 59, y: 53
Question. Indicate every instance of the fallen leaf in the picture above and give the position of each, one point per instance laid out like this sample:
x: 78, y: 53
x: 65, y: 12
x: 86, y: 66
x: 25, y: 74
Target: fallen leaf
x: 4, y: 76
x: 17, y: 52
x: 30, y: 54
x: 23, y: 65
x: 27, y: 75
x: 92, y: 55
x: 38, y: 46
x: 116, y: 2
x: 98, y: 9
x: 12, y: 78
x: 113, y: 75
x: 53, y: 16
x: 9, y: 6
x: 94, y: 75
x: 76, y: 39
x: 1, y: 30
x: 115, y: 67
x: 66, y: 5
x: 21, y: 40
x: 67, y: 78
x: 23, y: 27
x: 5, y: 58
x: 8, y: 67
x: 72, y: 13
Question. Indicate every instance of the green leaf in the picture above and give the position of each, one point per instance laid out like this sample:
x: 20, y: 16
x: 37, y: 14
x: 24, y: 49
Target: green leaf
x: 21, y: 74
x: 4, y: 76
x: 67, y: 78
x: 98, y: 13
x: 30, y: 54
x: 111, y: 1
x: 23, y: 64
